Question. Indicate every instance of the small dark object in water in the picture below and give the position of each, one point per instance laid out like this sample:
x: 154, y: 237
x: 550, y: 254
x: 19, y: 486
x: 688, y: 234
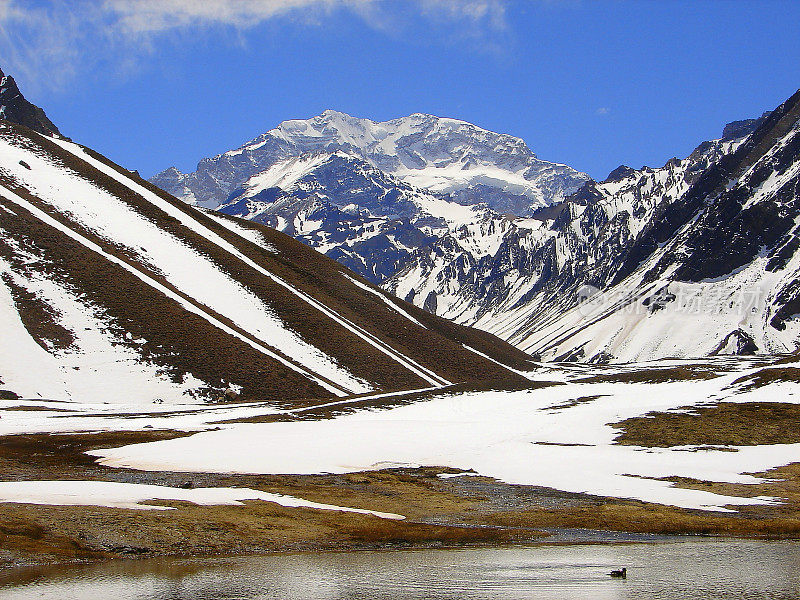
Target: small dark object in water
x: 621, y: 573
x: 24, y: 164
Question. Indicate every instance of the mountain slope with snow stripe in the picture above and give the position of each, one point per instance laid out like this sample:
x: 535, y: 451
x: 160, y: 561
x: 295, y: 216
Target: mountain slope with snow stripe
x: 190, y: 273
x: 75, y: 222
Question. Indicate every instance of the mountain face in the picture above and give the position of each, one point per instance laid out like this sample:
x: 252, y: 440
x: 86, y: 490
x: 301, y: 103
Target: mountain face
x: 444, y: 156
x: 695, y: 258
x: 15, y: 108
x: 344, y: 207
x: 112, y: 290
x: 370, y: 194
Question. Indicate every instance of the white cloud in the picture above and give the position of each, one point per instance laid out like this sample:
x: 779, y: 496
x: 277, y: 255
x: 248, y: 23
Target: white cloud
x: 603, y: 110
x: 47, y: 44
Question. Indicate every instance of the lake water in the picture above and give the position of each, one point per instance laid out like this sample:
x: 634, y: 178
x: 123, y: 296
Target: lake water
x: 707, y: 569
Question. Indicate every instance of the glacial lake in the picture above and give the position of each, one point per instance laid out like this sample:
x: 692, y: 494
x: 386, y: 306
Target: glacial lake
x: 693, y: 569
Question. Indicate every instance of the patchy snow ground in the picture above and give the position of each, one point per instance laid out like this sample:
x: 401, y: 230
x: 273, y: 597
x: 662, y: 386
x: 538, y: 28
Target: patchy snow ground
x: 131, y: 495
x: 557, y: 436
x: 535, y: 437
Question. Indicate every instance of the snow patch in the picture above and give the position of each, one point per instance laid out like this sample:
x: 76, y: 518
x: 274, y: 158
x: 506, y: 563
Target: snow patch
x: 132, y: 495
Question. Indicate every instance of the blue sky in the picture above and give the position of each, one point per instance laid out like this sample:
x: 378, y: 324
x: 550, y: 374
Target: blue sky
x: 154, y: 83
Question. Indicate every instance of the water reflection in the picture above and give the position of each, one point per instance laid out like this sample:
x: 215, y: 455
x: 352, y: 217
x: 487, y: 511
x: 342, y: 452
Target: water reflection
x: 718, y: 569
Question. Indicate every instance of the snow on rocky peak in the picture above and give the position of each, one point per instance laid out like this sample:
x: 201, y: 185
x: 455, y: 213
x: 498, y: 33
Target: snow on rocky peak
x: 442, y: 155
x: 370, y: 193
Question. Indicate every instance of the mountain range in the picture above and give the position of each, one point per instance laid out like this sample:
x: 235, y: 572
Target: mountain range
x: 690, y: 259
x: 207, y: 293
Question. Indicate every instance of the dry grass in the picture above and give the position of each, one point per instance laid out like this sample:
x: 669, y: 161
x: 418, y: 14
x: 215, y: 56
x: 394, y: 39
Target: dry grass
x: 653, y: 375
x: 722, y: 424
x: 768, y: 376
x: 780, y: 520
x: 651, y: 518
x: 62, y: 456
x: 75, y: 532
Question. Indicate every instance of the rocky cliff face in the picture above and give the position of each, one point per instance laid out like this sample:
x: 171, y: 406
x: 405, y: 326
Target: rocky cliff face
x: 344, y: 207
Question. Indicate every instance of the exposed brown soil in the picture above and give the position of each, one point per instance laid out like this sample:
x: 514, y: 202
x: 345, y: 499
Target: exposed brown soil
x: 722, y: 424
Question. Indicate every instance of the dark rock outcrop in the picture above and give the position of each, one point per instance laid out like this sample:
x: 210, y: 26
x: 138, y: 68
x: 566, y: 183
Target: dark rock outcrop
x: 14, y: 107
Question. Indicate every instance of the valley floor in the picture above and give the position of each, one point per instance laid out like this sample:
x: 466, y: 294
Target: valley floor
x: 676, y: 447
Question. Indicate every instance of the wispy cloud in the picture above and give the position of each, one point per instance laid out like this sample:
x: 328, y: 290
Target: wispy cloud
x: 47, y: 43
x: 150, y: 16
x: 480, y: 23
x: 488, y: 13
x: 602, y: 111
x: 38, y: 43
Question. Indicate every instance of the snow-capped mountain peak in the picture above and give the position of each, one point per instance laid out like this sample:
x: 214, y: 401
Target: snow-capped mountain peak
x: 369, y: 193
x: 442, y: 155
